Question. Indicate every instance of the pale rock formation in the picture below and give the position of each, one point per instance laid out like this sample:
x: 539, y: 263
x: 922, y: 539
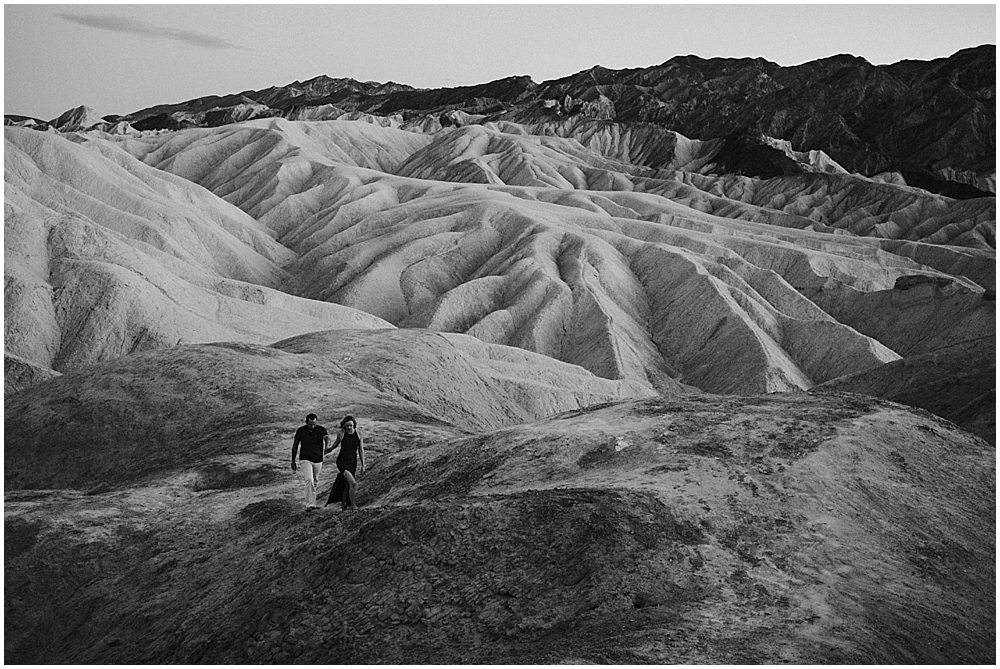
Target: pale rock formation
x: 636, y: 144
x: 27, y: 122
x: 330, y: 112
x: 78, y: 118
x: 587, y: 289
x: 571, y: 250
x: 461, y: 379
x: 811, y: 161
x: 579, y: 254
x: 275, y: 170
x: 120, y: 128
x: 477, y: 154
x: 829, y: 202
x: 105, y: 255
x: 235, y: 113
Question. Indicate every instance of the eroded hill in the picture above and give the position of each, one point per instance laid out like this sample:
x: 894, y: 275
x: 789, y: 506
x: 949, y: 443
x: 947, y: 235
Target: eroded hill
x: 104, y: 256
x: 556, y: 244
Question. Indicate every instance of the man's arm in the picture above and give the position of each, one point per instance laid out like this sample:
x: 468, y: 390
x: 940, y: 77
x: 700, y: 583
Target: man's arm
x: 295, y: 449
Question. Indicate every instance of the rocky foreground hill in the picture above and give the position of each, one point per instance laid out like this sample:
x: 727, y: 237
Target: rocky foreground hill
x: 687, y: 364
x: 499, y: 524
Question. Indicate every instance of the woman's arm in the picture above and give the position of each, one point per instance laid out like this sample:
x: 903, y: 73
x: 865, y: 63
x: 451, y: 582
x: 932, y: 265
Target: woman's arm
x: 340, y: 434
x: 361, y: 451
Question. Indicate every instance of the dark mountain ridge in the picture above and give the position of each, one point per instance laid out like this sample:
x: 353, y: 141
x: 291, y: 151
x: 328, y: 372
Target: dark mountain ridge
x: 931, y: 121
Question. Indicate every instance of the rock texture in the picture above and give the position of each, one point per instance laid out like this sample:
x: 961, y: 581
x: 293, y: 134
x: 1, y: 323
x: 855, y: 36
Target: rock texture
x: 689, y: 529
x: 19, y: 373
x: 537, y: 241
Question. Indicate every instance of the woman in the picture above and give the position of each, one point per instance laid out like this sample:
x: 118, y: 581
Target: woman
x: 352, y: 454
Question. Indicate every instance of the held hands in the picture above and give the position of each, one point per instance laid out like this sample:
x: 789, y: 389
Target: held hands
x: 293, y: 466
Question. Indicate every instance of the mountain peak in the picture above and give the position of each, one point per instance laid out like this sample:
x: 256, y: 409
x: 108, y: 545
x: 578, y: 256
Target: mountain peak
x: 77, y: 118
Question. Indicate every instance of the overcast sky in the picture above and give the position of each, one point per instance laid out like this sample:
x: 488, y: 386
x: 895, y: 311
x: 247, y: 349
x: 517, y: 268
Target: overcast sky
x: 120, y: 58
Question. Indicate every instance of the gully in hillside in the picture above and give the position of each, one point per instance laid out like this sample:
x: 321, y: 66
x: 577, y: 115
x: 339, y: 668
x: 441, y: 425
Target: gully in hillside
x: 352, y: 454
x: 314, y: 440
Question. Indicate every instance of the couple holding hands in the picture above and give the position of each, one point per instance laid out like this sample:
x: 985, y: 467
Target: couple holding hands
x: 315, y: 442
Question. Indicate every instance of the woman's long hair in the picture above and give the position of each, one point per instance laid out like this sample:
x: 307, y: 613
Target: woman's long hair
x: 348, y: 419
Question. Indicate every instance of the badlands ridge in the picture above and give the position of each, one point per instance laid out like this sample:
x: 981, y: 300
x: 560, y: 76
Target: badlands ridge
x: 666, y: 278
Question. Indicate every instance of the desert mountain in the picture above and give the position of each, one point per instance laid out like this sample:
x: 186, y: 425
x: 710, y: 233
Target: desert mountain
x: 686, y: 364
x: 80, y: 118
x: 931, y: 121
x: 692, y: 528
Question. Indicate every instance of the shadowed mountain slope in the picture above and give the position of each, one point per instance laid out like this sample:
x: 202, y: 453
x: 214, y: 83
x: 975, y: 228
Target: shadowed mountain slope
x: 697, y: 529
x: 864, y: 116
x: 957, y: 382
x: 930, y: 122
x: 933, y: 122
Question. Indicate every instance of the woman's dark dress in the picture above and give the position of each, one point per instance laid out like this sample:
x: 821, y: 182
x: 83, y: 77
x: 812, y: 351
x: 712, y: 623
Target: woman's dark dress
x: 347, y: 460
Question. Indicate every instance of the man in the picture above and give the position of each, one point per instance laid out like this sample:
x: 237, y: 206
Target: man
x: 315, y: 442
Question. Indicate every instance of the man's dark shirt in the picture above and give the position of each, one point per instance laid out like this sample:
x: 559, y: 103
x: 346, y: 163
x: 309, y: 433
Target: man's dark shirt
x: 312, y: 442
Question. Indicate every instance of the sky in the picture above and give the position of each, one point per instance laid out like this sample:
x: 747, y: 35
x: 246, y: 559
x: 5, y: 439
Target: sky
x: 120, y: 58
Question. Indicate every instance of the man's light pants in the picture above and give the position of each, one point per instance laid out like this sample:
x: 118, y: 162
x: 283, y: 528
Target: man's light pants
x: 311, y: 470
